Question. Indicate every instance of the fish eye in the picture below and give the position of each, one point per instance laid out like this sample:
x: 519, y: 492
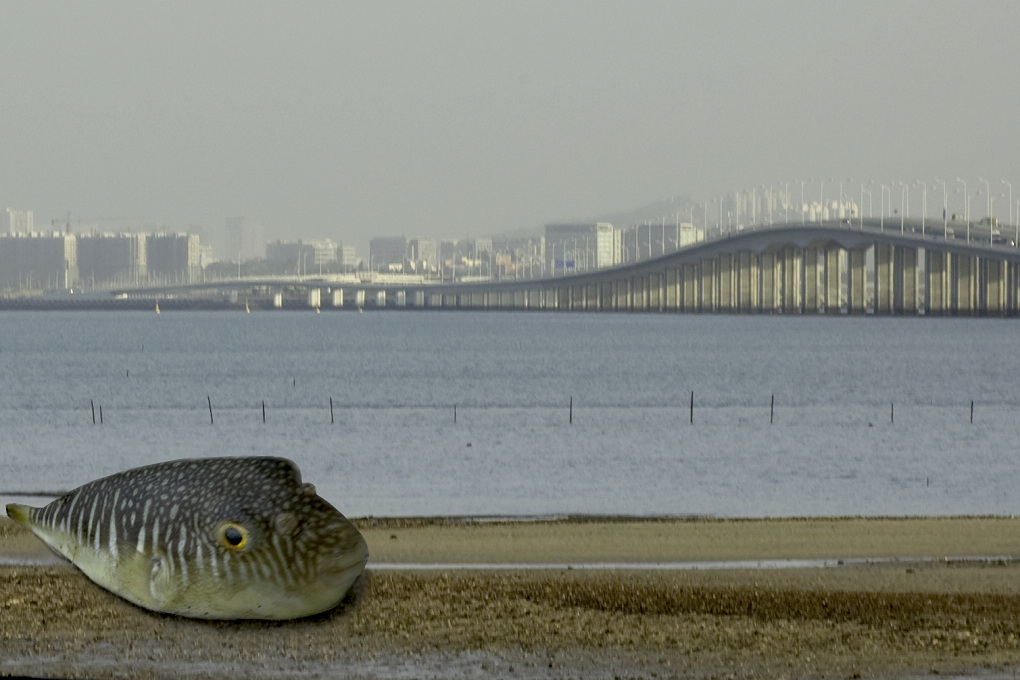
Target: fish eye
x: 233, y: 535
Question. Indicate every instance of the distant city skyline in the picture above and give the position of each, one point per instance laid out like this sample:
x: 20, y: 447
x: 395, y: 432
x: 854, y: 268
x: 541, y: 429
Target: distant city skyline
x: 457, y: 119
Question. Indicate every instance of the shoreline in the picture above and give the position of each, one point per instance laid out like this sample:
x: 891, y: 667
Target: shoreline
x: 896, y: 618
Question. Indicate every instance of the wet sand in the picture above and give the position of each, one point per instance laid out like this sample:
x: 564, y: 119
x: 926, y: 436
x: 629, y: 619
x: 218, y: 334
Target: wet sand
x: 911, y: 613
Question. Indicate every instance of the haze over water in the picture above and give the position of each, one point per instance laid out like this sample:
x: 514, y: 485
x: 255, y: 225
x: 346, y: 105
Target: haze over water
x: 872, y: 416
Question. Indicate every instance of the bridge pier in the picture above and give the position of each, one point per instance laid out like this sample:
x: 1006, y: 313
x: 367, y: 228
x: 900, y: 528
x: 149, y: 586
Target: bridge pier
x: 816, y: 270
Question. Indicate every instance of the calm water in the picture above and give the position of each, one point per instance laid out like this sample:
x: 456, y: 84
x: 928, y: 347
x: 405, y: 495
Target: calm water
x: 872, y: 416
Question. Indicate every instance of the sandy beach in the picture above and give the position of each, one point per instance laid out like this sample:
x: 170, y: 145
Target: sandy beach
x: 911, y: 597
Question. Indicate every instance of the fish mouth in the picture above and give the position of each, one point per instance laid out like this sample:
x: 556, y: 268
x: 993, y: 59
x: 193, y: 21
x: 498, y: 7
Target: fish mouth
x: 339, y: 569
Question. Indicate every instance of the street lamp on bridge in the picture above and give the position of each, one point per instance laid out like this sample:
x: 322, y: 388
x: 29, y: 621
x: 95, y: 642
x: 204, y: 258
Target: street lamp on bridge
x: 988, y: 197
x: 1010, y: 185
x: 802, y: 206
x: 924, y: 203
x: 966, y: 206
x: 945, y: 207
x: 882, y: 206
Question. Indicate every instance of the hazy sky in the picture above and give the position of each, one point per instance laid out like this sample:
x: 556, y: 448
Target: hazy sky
x: 349, y: 120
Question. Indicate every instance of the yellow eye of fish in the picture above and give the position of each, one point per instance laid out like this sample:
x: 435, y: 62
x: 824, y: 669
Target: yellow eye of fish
x: 234, y: 535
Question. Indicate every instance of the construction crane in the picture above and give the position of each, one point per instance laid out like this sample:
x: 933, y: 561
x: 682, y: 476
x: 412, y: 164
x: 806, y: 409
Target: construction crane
x: 66, y: 221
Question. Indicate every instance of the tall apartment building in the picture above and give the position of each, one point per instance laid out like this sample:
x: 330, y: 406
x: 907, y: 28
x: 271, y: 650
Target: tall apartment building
x: 608, y: 245
x: 245, y: 239
x: 423, y: 254
x: 386, y: 252
x: 174, y: 258
x: 117, y: 259
x: 20, y: 222
x: 38, y: 261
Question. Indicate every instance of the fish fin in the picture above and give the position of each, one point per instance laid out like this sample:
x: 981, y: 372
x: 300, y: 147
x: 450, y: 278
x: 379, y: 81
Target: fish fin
x: 22, y: 514
x: 159, y: 581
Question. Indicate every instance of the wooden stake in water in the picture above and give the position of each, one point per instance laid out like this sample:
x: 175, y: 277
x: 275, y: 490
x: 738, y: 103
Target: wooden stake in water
x: 772, y: 409
x: 263, y: 410
x: 100, y: 414
x: 571, y: 409
x: 692, y: 407
x: 207, y: 398
x: 972, y: 412
x: 892, y: 413
x: 454, y: 413
x: 93, y: 402
x: 331, y: 410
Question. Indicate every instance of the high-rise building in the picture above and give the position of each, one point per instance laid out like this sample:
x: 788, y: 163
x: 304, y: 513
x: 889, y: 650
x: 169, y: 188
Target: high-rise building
x: 174, y: 258
x: 20, y: 222
x: 387, y: 252
x: 294, y: 257
x: 608, y: 245
x: 348, y: 256
x: 246, y: 239
x: 423, y: 254
x: 38, y: 261
x: 119, y: 259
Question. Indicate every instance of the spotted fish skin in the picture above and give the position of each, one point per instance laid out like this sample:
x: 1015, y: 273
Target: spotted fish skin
x: 215, y: 538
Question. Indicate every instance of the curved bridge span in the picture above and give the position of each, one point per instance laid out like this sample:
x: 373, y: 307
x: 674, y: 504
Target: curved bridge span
x: 830, y: 268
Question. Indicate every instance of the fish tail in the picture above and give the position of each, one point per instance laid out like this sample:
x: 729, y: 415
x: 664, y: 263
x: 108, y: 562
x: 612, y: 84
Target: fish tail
x: 22, y: 514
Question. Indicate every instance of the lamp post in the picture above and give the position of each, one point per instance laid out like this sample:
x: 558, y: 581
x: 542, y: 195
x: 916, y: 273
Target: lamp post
x: 945, y: 204
x: 991, y: 219
x: 860, y: 209
x: 966, y: 205
x: 924, y: 204
x: 1010, y: 185
x: 786, y: 199
x: 988, y: 198
x: 821, y: 199
x: 802, y: 210
x: 882, y: 206
x: 903, y: 212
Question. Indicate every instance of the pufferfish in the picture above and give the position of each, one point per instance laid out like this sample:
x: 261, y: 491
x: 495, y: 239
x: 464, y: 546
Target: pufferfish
x: 213, y: 538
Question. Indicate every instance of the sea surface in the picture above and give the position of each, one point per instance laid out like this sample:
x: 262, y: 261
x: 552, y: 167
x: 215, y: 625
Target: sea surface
x: 395, y: 413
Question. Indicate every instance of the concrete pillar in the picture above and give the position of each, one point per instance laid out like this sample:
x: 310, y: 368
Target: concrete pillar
x: 338, y: 297
x: 692, y: 286
x: 885, y: 288
x: 724, y: 279
x: 793, y: 280
x: 835, y: 277
x: 964, y: 280
x: 939, y: 283
x: 857, y: 278
x: 747, y: 282
x: 812, y: 281
x: 907, y: 262
x: 769, y: 283
x: 278, y: 300
x: 709, y: 301
x: 996, y: 287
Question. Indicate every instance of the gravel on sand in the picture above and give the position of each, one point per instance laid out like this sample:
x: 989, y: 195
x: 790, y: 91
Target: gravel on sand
x: 899, y: 616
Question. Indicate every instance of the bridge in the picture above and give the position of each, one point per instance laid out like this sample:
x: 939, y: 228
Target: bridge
x: 869, y: 266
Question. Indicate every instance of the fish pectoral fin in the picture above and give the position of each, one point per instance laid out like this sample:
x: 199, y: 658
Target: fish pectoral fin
x: 159, y: 581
